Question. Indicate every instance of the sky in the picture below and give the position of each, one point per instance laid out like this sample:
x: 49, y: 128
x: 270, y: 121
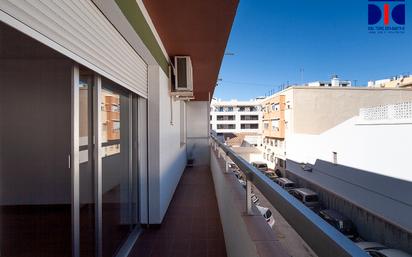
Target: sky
x: 273, y: 41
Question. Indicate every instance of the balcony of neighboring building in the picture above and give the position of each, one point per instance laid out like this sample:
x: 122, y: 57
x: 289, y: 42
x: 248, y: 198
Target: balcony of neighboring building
x: 247, y: 109
x: 274, y: 108
x: 246, y: 127
x: 274, y: 128
x: 249, y: 118
x: 220, y: 118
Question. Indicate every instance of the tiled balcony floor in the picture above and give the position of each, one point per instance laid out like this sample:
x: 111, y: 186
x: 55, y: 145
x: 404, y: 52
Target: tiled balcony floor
x: 192, y: 224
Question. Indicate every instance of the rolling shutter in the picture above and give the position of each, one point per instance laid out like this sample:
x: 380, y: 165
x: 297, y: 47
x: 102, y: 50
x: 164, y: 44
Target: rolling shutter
x: 80, y: 31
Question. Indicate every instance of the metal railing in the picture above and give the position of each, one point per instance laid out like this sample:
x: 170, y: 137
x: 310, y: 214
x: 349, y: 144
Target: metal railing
x: 324, y: 239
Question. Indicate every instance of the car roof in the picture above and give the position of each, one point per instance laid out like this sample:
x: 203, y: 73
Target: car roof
x: 366, y: 245
x: 259, y: 162
x: 305, y: 191
x: 262, y: 209
x: 394, y: 253
x: 286, y: 180
x: 334, y: 214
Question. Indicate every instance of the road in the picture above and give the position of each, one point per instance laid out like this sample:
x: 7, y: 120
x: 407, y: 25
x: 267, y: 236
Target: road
x: 287, y: 236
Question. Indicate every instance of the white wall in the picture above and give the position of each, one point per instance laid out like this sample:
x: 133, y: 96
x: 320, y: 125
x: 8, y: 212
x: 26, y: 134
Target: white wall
x: 172, y: 153
x: 198, y: 131
x: 167, y: 157
x: 382, y: 149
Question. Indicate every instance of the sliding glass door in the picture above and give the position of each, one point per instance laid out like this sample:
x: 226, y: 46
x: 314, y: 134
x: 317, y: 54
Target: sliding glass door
x: 35, y: 178
x: 68, y: 155
x: 117, y: 122
x: 108, y: 173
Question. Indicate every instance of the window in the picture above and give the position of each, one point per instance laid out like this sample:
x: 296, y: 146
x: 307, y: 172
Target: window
x: 311, y: 198
x: 249, y: 117
x: 225, y: 117
x: 275, y: 107
x: 275, y: 124
x: 298, y: 196
x: 266, y: 125
x: 226, y: 126
x: 249, y: 126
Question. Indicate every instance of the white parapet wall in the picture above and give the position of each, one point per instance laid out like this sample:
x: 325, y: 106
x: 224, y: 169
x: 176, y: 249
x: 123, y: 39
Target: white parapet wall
x: 400, y: 113
x: 382, y: 148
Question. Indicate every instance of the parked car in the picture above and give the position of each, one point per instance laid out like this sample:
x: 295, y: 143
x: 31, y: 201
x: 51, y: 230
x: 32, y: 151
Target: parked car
x: 378, y: 250
x: 262, y: 166
x: 233, y: 166
x: 267, y: 214
x: 238, y: 174
x: 271, y: 175
x: 242, y: 182
x: 370, y: 245
x: 340, y: 222
x: 286, y: 184
x: 307, y: 197
x: 255, y: 199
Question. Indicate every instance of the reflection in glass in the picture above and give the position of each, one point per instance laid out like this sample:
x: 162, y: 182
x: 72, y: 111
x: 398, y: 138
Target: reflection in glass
x: 116, y: 198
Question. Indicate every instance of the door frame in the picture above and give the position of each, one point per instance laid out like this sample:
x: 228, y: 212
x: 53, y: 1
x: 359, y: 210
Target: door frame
x: 74, y: 161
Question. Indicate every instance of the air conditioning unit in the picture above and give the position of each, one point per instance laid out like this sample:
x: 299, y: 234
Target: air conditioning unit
x: 183, y: 74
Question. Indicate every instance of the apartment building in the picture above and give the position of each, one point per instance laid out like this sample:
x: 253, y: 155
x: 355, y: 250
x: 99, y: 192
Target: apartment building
x: 294, y: 115
x: 94, y: 139
x: 403, y: 81
x: 235, y: 116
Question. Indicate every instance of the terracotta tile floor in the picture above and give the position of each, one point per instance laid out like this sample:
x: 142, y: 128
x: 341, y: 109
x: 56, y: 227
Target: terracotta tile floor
x: 192, y: 224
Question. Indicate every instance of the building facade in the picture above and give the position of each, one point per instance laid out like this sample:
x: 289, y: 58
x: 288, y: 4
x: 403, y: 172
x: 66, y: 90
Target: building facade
x: 236, y: 116
x: 299, y: 113
x: 375, y: 140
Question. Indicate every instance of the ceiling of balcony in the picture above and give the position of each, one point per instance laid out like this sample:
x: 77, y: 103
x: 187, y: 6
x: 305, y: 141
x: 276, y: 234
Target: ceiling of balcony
x: 197, y: 28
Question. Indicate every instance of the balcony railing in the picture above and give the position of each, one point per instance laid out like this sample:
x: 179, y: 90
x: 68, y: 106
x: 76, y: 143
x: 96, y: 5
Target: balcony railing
x: 317, y: 233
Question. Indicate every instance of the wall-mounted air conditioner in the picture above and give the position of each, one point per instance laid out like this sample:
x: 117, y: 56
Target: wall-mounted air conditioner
x: 183, y: 74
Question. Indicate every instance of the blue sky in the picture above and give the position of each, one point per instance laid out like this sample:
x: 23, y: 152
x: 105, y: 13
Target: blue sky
x: 272, y: 40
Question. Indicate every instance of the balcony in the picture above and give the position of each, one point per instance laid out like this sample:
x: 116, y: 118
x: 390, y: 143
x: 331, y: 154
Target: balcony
x: 277, y: 132
x: 192, y: 226
x: 211, y: 214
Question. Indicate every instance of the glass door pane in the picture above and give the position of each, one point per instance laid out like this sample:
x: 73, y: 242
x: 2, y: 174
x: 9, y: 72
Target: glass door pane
x: 86, y: 172
x: 116, y: 167
x: 35, y: 144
